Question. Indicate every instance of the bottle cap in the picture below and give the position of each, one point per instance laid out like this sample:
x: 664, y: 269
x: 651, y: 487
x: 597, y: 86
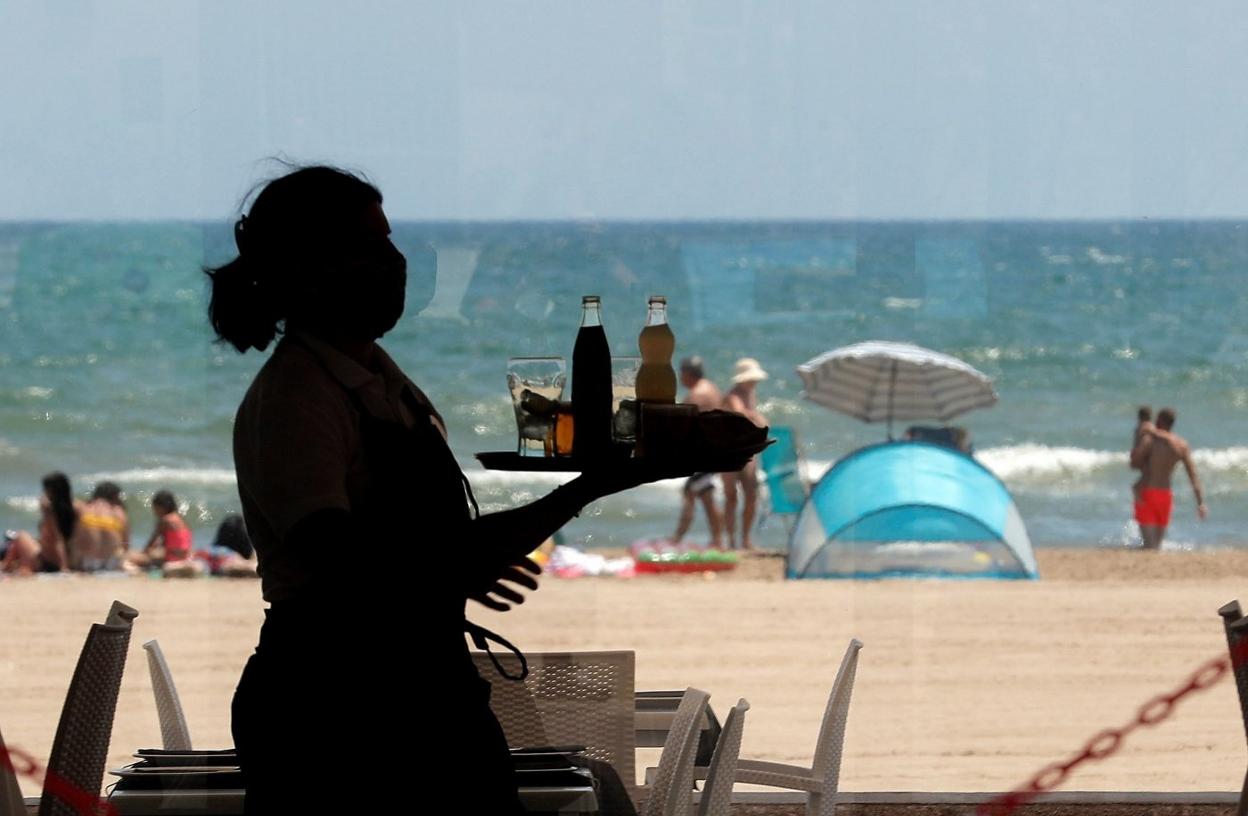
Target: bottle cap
x: 591, y: 299
x: 658, y: 299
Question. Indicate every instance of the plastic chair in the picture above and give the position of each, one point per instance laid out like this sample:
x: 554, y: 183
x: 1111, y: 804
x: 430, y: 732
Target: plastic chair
x: 785, y: 475
x: 717, y: 792
x: 175, y: 735
x: 76, y: 766
x: 666, y: 702
x: 1236, y: 626
x: 821, y: 779
x: 569, y: 698
x: 671, y: 793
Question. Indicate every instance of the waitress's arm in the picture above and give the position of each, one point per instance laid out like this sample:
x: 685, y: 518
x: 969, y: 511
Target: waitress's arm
x: 499, y: 543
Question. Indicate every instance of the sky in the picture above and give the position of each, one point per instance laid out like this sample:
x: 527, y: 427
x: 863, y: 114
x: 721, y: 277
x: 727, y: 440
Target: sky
x: 584, y: 109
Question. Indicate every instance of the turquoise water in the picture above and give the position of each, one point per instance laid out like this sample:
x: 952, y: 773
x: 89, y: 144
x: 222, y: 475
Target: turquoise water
x: 108, y: 369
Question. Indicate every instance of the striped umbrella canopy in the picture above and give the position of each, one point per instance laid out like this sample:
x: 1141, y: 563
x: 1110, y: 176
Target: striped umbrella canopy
x: 880, y: 381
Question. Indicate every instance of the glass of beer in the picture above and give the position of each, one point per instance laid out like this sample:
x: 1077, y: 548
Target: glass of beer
x: 536, y: 386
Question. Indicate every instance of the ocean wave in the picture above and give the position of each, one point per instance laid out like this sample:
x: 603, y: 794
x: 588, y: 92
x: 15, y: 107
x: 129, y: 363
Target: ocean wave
x: 26, y: 504
x: 223, y: 477
x: 1026, y: 461
x: 1033, y: 461
x: 1102, y: 258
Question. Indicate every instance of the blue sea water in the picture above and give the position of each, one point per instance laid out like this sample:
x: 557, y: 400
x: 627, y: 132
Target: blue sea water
x: 108, y: 368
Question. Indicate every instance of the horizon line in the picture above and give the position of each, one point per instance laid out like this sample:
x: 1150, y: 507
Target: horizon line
x: 736, y: 220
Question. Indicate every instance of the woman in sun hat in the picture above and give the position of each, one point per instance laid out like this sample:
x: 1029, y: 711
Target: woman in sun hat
x: 743, y: 399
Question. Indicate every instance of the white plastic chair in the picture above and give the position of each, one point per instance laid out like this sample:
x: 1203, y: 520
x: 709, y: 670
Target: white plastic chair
x: 175, y: 735
x: 821, y: 779
x: 717, y: 792
x: 671, y: 794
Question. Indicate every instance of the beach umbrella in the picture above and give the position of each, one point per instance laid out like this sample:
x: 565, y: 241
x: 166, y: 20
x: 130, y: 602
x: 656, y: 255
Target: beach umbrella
x: 881, y: 381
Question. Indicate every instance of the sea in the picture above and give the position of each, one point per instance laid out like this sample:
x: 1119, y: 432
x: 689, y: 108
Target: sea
x: 109, y: 370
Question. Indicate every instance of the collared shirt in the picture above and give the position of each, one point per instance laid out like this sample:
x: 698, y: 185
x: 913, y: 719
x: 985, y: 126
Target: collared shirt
x: 297, y: 446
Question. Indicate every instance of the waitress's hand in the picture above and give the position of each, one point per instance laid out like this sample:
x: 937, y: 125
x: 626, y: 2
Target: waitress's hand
x: 520, y: 573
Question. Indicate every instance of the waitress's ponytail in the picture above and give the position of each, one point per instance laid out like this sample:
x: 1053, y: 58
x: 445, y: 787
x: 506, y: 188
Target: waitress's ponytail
x: 240, y: 308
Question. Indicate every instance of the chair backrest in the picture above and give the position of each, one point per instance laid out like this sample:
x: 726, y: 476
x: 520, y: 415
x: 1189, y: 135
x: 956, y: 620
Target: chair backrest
x: 569, y: 698
x: 76, y: 766
x: 827, y: 762
x: 671, y: 794
x: 781, y: 463
x: 11, y: 802
x: 717, y: 792
x: 175, y: 735
x: 1236, y: 626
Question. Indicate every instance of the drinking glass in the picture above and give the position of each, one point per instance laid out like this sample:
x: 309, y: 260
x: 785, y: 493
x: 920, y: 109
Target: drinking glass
x: 624, y: 398
x: 536, y: 386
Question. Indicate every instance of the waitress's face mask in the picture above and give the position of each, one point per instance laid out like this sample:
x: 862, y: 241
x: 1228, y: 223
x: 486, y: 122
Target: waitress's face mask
x: 362, y: 289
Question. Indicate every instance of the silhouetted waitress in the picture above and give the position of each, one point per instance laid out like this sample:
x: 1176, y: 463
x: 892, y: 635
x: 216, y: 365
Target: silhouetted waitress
x: 361, y: 694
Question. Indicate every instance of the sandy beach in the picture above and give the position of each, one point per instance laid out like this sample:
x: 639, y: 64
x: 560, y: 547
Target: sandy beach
x: 962, y: 685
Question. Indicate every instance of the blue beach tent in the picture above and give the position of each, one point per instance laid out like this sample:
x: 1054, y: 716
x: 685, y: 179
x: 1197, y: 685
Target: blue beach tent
x: 910, y: 509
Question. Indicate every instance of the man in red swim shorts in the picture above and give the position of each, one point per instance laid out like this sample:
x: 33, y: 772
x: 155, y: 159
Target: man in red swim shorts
x: 1156, y: 454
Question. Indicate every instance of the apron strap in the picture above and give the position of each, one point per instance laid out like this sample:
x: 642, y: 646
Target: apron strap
x: 481, y: 638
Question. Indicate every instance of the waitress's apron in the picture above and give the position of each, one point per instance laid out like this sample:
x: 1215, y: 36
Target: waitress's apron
x: 361, y: 695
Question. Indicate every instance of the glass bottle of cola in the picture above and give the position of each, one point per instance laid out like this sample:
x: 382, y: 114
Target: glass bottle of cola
x: 591, y: 384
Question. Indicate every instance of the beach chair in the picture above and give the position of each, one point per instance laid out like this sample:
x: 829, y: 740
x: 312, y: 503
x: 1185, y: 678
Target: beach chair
x: 1236, y: 626
x: 175, y: 735
x: 784, y: 473
x: 76, y: 765
x: 821, y: 779
x: 671, y: 793
x: 717, y: 792
x: 568, y: 698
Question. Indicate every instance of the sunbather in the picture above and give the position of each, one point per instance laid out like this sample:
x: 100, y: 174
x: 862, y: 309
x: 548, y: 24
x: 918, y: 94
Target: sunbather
x: 105, y: 521
x: 59, y: 538
x: 169, y: 546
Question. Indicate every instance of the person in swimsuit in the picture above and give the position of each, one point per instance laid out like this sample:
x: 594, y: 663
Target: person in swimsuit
x: 59, y: 530
x: 743, y: 399
x: 169, y: 546
x: 336, y: 448
x: 105, y: 521
x: 232, y: 553
x: 1157, y: 453
x: 699, y: 487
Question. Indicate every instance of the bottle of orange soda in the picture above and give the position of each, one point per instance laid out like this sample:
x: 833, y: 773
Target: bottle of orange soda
x: 656, y: 380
